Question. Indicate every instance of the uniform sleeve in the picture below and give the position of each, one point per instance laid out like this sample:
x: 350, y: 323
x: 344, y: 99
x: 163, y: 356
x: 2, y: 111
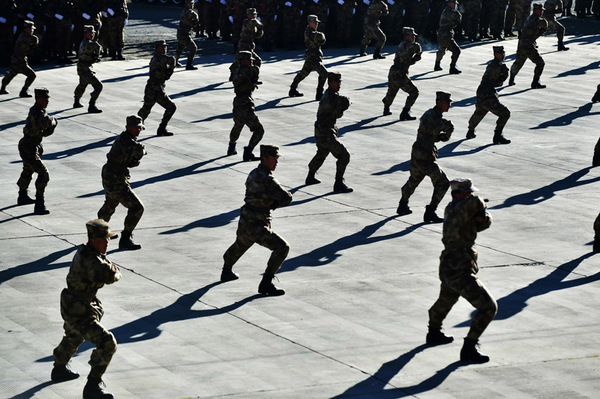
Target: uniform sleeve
x: 278, y: 193
x: 44, y: 123
x: 102, y: 270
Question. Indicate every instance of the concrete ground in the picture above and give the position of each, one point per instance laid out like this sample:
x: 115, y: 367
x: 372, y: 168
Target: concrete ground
x: 359, y: 280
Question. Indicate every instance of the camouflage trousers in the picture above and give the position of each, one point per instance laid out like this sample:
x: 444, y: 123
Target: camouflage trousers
x: 32, y: 163
x: 244, y: 115
x: 185, y: 41
x: 307, y: 68
x: 397, y: 80
x: 115, y: 33
x: 260, y: 233
x: 523, y: 53
x: 556, y: 26
x: 458, y: 275
x: 522, y: 11
x: 471, y: 16
x: 87, y: 77
x: 118, y: 191
x: 450, y: 45
x: 373, y: 32
x: 328, y: 142
x: 156, y: 94
x: 418, y: 170
x: 16, y: 69
x: 493, y: 105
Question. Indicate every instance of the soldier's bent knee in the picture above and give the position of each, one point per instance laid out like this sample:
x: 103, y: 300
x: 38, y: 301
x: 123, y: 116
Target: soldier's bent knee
x: 109, y: 343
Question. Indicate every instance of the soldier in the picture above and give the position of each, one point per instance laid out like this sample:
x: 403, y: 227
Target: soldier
x: 117, y: 14
x: 126, y: 152
x: 471, y: 18
x: 533, y: 28
x: 252, y: 29
x: 245, y: 80
x: 522, y: 11
x: 313, y: 60
x: 464, y: 217
x: 82, y: 311
x: 407, y: 53
x: 553, y: 7
x: 342, y: 12
x: 89, y: 53
x: 189, y: 21
x: 509, y: 19
x: 377, y: 9
x: 236, y: 10
x: 211, y: 18
x: 263, y: 193
x: 26, y: 42
x: 423, y: 160
x: 331, y: 107
x: 449, y: 20
x: 488, y: 100
x: 37, y: 126
x: 497, y: 18
x: 268, y: 15
x: 161, y: 69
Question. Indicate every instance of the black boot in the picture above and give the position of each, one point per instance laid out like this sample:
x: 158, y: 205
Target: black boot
x: 228, y: 275
x: 430, y: 216
x: 319, y: 94
x: 40, y: 206
x: 294, y: 92
x: 119, y: 55
x: 311, y: 179
x: 406, y: 116
x: 386, y: 110
x: 562, y: 47
x: 470, y: 354
x: 341, y: 187
x: 363, y: 51
x: 77, y: 103
x: 24, y: 198
x: 93, y: 390
x: 162, y: 131
x: 24, y: 93
x: 62, y: 372
x: 437, y: 66
x: 266, y: 286
x: 249, y: 156
x: 190, y: 66
x: 499, y: 138
x: 471, y: 134
x: 596, y: 247
x: 537, y: 85
x: 377, y: 54
x: 3, y: 90
x: 453, y: 70
x: 511, y: 80
x: 231, y: 149
x: 403, y: 208
x: 92, y: 109
x: 596, y: 98
x: 126, y: 242
x: 435, y: 336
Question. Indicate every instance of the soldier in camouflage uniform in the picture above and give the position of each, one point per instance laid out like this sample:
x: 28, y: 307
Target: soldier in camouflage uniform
x: 488, y: 100
x: 126, y: 152
x: 263, y: 193
x: 509, y: 19
x: 237, y: 15
x: 331, y: 107
x: 497, y: 18
x: 449, y: 20
x: 533, y: 28
x: 423, y: 160
x: 211, y: 17
x: 394, y: 21
x: 252, y: 29
x: 377, y: 9
x: 117, y: 14
x: 189, y: 20
x: 161, y: 69
x: 522, y: 11
x: 87, y: 12
x: 464, y: 217
x: 407, y: 53
x: 245, y: 80
x: 37, y: 126
x: 342, y: 12
x: 313, y: 60
x: 471, y: 17
x: 267, y: 11
x: 89, y: 53
x: 553, y: 7
x: 26, y: 42
x: 82, y: 310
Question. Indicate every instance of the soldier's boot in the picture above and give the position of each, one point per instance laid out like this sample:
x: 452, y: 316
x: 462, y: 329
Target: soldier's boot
x: 435, y: 336
x: 340, y: 187
x: 499, y: 138
x: 511, y: 80
x: 437, y: 66
x: 595, y: 160
x: 3, y: 89
x: 311, y: 179
x: 40, y: 206
x: 93, y: 389
x: 470, y: 353
x: 24, y: 198
x: 430, y: 216
x: 266, y: 286
x: 77, y: 103
x: 92, y: 109
x: 406, y: 116
x: 537, y: 85
x: 596, y: 98
x: 228, y: 275
x: 294, y: 92
x: 403, y: 208
x: 471, y: 134
x: 24, y: 93
x: 112, y: 54
x: 596, y: 244
x: 162, y: 131
x: 126, y: 242
x: 231, y: 149
x: 62, y: 372
x: 377, y: 54
x: 386, y: 110
x: 319, y: 94
x: 363, y: 51
x: 248, y: 155
x: 119, y: 55
x: 190, y: 66
x: 180, y: 65
x: 562, y: 47
x: 453, y: 70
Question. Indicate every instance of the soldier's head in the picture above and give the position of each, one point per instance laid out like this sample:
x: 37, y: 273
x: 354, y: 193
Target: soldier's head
x: 251, y: 13
x: 538, y: 9
x: 89, y: 31
x: 269, y: 156
x: 29, y: 27
x: 189, y: 4
x: 334, y: 80
x: 42, y: 96
x: 134, y: 125
x: 245, y: 57
x: 160, y: 46
x: 409, y: 34
x: 442, y: 100
x: 461, y: 188
x: 313, y: 21
x: 452, y: 3
x: 99, y: 235
x: 499, y: 53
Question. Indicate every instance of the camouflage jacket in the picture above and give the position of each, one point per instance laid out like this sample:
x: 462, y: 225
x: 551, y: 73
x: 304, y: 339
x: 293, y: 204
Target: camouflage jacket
x: 331, y: 107
x: 119, y: 8
x: 552, y: 7
x: 314, y: 40
x: 126, y: 152
x: 38, y: 125
x: 407, y: 54
x: 495, y: 74
x: 244, y: 80
x: 161, y: 69
x: 432, y: 128
x: 263, y: 193
x: 449, y: 20
x: 251, y: 30
x: 89, y: 51
x: 23, y: 46
x: 89, y: 272
x: 189, y: 20
x: 376, y: 10
x: 533, y: 28
x: 460, y: 222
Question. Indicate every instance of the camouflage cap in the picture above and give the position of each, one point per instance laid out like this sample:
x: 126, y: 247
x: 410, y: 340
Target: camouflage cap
x: 312, y: 18
x: 269, y: 150
x: 498, y: 49
x: 89, y: 29
x: 442, y: 96
x: 160, y: 43
x: 29, y: 25
x: 538, y: 6
x: 98, y: 228
x: 335, y: 76
x: 41, y: 92
x: 462, y: 184
x: 251, y: 10
x: 245, y: 54
x: 407, y: 30
x: 135, y: 120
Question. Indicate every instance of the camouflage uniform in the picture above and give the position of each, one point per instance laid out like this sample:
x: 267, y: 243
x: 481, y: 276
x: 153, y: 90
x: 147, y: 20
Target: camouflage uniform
x: 342, y: 12
x: 211, y: 17
x: 449, y: 20
x: 18, y: 62
x: 394, y: 20
x: 522, y: 11
x: 417, y: 12
x: 87, y: 12
x: 253, y: 29
x: 509, y: 19
x: 320, y: 9
x: 290, y: 22
x: 313, y: 60
x: 237, y: 14
x: 126, y: 152
x: 377, y: 9
x: 553, y: 7
x: 115, y: 26
x: 407, y: 54
x: 189, y: 20
x: 471, y: 17
x: 533, y: 28
x: 267, y: 10
x: 89, y: 53
x: 497, y: 17
x: 82, y: 310
x: 458, y: 265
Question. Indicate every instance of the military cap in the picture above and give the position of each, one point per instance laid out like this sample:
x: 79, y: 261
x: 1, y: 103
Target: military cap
x: 135, y: 120
x: 442, y: 96
x: 160, y: 43
x: 462, y: 184
x: 498, y: 49
x: 538, y: 6
x: 98, y: 228
x: 409, y: 31
x: 312, y: 18
x: 89, y: 28
x: 245, y: 54
x: 336, y: 76
x: 250, y: 11
x: 269, y: 150
x: 29, y: 25
x: 41, y: 92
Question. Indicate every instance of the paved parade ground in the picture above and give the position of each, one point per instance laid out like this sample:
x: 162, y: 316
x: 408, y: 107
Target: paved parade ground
x: 359, y: 279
